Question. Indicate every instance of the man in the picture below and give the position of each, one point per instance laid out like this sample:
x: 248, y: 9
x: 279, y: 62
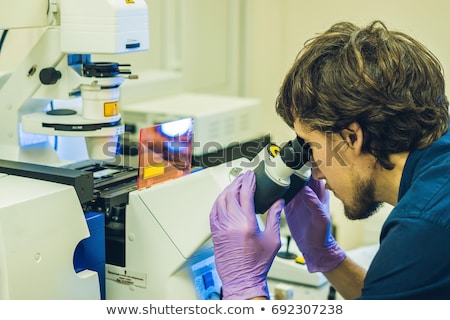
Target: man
x: 370, y: 103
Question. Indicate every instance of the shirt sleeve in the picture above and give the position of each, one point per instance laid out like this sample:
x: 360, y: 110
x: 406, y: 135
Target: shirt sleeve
x: 413, y: 262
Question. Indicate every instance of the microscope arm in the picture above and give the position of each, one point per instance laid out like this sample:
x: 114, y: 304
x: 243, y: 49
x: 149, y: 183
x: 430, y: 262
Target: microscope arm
x: 106, y: 27
x: 23, y: 83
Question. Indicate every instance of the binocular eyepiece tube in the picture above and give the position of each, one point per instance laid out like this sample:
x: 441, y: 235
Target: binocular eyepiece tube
x: 281, y: 173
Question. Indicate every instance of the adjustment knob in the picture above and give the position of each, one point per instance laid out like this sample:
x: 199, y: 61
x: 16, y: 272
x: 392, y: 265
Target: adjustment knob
x: 49, y: 75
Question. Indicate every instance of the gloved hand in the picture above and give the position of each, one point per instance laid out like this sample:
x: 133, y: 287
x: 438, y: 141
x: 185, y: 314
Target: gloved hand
x: 308, y: 218
x: 243, y: 252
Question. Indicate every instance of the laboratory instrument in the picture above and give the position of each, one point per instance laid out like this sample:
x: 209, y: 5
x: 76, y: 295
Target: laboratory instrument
x: 281, y: 172
x: 59, y: 66
x: 82, y: 229
x: 50, y: 248
x: 225, y: 127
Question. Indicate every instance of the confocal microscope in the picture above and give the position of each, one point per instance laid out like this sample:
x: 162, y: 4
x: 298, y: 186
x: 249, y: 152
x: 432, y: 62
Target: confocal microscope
x: 113, y: 221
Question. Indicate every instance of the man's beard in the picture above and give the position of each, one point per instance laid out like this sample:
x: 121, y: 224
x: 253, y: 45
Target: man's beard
x: 362, y: 204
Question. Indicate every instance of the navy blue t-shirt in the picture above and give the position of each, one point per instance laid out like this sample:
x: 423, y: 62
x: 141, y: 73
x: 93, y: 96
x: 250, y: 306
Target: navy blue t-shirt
x: 413, y: 261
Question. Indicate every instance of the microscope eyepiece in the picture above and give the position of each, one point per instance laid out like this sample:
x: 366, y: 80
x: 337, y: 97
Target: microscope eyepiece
x: 295, y: 153
x: 282, y: 173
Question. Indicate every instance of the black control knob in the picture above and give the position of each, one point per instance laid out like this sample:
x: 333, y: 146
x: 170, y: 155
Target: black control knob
x: 49, y: 75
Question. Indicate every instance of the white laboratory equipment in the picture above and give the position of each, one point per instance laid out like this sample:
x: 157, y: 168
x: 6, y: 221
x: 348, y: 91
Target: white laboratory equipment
x: 59, y: 66
x: 55, y: 216
x: 43, y: 227
x: 225, y: 127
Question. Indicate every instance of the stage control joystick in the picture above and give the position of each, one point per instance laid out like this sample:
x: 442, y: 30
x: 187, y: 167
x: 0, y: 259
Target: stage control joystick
x: 286, y: 254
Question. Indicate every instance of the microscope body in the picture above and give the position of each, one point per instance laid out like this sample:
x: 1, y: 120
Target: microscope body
x: 281, y: 173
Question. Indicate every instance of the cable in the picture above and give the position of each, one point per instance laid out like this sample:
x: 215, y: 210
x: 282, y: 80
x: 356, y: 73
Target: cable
x: 2, y: 39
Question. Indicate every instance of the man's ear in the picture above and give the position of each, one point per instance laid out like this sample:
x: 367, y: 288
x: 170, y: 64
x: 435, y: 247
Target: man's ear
x: 353, y: 136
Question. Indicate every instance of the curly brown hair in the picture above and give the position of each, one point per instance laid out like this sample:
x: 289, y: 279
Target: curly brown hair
x: 388, y: 82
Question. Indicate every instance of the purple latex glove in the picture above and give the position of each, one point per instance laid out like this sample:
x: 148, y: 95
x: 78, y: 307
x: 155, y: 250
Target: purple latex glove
x: 308, y: 218
x: 243, y: 252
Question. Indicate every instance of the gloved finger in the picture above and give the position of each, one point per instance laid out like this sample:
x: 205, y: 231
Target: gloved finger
x: 319, y: 188
x: 234, y: 187
x: 310, y: 198
x: 274, y: 216
x: 213, y: 217
x: 293, y: 203
x: 227, y: 215
x: 229, y: 192
x: 218, y: 218
x: 247, y: 194
x: 296, y: 203
x: 313, y: 203
x: 222, y: 208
